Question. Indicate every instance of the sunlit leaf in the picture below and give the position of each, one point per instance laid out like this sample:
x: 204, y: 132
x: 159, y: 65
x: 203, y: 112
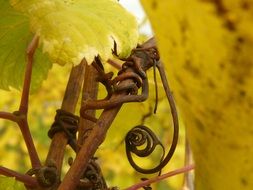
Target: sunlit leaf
x: 71, y: 30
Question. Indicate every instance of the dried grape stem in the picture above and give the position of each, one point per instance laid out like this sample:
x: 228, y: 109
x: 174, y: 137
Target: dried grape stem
x: 90, y: 91
x: 72, y: 92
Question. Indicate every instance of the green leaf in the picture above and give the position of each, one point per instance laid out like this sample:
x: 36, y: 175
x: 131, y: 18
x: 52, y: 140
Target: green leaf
x: 71, y: 30
x: 14, y: 39
x: 9, y: 183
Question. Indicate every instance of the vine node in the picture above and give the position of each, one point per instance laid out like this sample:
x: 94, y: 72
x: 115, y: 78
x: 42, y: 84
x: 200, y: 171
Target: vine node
x: 134, y: 68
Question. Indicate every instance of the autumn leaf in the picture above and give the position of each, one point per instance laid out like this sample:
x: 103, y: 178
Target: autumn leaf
x: 207, y: 49
x: 69, y: 31
x: 72, y: 30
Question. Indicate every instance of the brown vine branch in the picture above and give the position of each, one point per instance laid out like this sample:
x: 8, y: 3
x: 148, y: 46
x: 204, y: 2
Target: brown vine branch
x: 95, y: 137
x: 161, y: 177
x: 72, y: 92
x: 26, y: 179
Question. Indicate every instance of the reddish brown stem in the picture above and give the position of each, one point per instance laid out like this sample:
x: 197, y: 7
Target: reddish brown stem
x: 72, y: 92
x: 23, y: 125
x: 26, y: 179
x: 161, y: 177
x: 20, y: 117
x: 23, y: 108
x: 8, y: 116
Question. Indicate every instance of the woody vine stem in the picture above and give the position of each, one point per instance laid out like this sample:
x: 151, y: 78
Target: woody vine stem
x: 91, y: 130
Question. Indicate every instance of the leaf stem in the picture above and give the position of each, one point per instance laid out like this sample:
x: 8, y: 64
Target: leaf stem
x: 161, y: 177
x: 26, y: 179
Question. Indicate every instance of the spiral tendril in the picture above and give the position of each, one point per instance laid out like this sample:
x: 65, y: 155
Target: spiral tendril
x: 142, y: 142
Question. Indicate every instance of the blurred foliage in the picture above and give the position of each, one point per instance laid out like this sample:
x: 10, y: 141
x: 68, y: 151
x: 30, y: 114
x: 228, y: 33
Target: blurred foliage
x: 207, y: 46
x: 8, y: 183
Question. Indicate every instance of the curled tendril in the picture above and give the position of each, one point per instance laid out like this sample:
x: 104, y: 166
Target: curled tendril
x: 142, y: 142
x: 151, y: 141
x: 139, y: 136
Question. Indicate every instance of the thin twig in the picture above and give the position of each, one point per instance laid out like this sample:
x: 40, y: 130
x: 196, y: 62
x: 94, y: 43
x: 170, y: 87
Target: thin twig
x: 26, y: 179
x: 8, y: 116
x: 23, y: 125
x: 161, y: 177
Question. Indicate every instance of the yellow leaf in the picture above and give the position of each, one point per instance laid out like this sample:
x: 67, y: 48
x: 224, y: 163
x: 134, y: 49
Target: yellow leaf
x: 208, y: 56
x: 75, y: 29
